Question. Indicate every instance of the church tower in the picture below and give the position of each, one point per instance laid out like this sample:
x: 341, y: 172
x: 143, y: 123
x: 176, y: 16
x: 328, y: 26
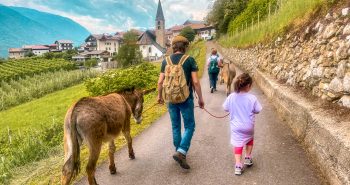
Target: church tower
x: 160, y: 26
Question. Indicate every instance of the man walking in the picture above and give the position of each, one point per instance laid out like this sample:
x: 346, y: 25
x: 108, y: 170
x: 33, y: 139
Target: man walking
x: 178, y: 77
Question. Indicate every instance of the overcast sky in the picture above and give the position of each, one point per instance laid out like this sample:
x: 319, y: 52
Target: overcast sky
x: 108, y: 16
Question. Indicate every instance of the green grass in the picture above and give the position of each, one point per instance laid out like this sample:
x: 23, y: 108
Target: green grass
x: 43, y: 111
x: 198, y: 51
x: 292, y: 12
x: 19, y: 91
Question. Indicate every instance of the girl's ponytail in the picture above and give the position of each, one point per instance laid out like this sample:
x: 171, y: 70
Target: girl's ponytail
x: 242, y: 81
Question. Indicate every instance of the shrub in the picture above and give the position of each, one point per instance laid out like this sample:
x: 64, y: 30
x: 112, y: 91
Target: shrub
x: 189, y: 33
x: 141, y: 76
x: 90, y: 63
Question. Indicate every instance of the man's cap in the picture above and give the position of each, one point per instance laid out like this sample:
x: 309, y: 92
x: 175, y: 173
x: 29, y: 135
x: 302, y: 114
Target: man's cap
x: 179, y: 38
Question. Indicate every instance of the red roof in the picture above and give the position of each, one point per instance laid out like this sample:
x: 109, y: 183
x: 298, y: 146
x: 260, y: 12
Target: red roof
x: 177, y: 28
x: 15, y: 50
x: 36, y: 47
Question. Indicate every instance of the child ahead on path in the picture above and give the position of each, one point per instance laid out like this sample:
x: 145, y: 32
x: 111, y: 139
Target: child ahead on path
x: 242, y: 107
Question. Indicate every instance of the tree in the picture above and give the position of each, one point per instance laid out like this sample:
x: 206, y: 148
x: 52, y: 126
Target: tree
x: 49, y: 55
x: 223, y: 12
x: 189, y: 33
x: 129, y: 53
x: 29, y: 54
x: 90, y: 63
x: 67, y: 55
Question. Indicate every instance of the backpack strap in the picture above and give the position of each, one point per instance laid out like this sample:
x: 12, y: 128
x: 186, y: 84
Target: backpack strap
x: 183, y: 59
x: 168, y: 61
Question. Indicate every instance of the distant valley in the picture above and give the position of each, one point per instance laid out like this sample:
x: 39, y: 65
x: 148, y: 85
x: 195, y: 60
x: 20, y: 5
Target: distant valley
x: 24, y: 26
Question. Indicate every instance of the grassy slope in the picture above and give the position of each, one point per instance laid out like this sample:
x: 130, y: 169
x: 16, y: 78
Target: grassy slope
x: 48, y: 171
x: 42, y: 111
x: 293, y: 12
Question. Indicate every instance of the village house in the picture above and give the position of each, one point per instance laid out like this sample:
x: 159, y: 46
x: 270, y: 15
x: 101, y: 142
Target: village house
x: 103, y: 42
x: 63, y: 45
x: 17, y: 53
x: 37, y: 50
x: 100, y: 55
x: 153, y: 44
x: 202, y: 30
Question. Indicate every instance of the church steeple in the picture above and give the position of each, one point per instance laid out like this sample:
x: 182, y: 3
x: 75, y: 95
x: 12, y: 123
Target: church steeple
x: 160, y: 26
x: 160, y: 15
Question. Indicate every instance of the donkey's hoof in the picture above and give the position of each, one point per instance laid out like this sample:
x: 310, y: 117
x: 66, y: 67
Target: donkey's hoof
x: 112, y: 170
x: 132, y: 156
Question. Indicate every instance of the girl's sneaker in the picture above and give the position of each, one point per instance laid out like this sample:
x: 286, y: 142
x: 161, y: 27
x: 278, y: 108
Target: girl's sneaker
x: 248, y: 161
x: 238, y: 170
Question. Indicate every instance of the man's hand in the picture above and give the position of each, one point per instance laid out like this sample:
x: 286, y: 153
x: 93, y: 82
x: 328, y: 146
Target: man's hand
x: 160, y: 100
x: 201, y: 103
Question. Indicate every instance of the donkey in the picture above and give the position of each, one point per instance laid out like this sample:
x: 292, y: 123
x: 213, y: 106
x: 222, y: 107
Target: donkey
x: 96, y: 120
x: 227, y: 75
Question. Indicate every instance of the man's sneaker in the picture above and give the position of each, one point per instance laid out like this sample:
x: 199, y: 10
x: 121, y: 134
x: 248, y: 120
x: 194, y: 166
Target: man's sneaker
x: 238, y: 170
x: 212, y: 90
x: 248, y: 161
x: 181, y: 159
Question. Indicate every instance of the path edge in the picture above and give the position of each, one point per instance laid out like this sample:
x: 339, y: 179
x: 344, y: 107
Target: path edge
x: 326, y: 141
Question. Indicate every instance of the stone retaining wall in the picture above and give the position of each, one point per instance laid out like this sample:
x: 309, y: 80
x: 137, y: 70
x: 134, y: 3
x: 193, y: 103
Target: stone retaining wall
x: 317, y: 59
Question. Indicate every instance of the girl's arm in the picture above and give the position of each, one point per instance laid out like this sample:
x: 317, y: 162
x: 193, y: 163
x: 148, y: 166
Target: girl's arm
x: 257, y: 107
x: 226, y: 105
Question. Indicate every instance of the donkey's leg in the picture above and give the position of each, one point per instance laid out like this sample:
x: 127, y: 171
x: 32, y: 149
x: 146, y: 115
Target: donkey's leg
x: 112, y: 167
x: 227, y: 89
x: 94, y: 150
x: 129, y: 140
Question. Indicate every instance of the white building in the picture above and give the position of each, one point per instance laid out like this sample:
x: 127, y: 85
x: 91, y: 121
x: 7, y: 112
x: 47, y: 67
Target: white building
x: 100, y: 55
x: 149, y: 48
x: 153, y: 43
x: 63, y: 45
x: 37, y: 50
x: 16, y: 53
x: 103, y: 42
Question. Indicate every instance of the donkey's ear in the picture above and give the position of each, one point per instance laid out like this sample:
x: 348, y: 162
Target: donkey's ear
x: 148, y: 91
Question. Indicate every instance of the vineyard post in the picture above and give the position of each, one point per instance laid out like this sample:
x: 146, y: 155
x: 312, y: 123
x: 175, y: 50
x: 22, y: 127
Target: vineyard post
x: 258, y: 19
x: 9, y: 134
x: 269, y: 12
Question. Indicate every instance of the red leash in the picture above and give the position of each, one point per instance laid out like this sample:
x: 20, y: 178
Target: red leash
x: 219, y: 117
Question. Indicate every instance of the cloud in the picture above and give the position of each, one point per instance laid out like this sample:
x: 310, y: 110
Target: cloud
x: 101, y: 16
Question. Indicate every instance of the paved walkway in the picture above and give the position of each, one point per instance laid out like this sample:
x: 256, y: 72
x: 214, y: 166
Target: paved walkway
x: 279, y: 159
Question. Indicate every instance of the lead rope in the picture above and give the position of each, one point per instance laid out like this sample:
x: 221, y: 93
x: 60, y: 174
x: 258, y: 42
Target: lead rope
x: 219, y: 117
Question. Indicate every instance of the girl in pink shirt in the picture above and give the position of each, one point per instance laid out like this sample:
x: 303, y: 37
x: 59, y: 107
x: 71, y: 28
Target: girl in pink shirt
x: 242, y: 107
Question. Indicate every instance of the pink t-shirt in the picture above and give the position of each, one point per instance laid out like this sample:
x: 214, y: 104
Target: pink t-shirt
x: 242, y: 107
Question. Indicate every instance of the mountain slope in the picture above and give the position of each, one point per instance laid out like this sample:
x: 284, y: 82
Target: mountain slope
x: 20, y: 26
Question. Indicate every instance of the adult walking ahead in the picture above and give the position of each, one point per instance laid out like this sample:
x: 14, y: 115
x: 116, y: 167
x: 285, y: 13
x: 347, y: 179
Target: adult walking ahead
x: 213, y: 63
x: 176, y: 81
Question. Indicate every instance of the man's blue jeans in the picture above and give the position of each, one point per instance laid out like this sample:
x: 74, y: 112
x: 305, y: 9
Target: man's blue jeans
x: 182, y: 143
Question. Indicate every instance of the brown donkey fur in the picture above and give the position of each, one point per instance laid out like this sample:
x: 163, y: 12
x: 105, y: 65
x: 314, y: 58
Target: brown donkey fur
x: 227, y: 75
x: 96, y: 120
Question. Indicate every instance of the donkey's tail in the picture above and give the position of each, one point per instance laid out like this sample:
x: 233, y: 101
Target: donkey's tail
x: 71, y: 166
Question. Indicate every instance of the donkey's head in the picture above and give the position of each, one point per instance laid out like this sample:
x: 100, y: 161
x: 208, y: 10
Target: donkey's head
x: 135, y: 100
